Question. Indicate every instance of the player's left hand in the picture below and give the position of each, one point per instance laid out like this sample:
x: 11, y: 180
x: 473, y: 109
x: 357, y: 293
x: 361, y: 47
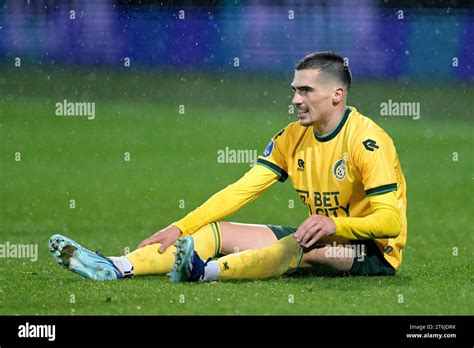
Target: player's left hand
x: 313, y: 229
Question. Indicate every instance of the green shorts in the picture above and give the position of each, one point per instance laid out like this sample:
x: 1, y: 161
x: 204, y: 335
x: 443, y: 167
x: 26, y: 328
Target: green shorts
x: 372, y: 264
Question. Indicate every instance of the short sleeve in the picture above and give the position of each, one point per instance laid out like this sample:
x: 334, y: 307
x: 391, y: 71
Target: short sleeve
x: 375, y: 158
x: 273, y: 156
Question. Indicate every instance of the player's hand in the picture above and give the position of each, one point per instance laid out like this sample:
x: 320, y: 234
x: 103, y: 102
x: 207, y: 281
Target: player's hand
x: 314, y: 228
x: 166, y: 237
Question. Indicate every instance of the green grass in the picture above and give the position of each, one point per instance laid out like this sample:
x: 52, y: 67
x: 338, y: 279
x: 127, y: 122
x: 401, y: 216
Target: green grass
x: 173, y: 157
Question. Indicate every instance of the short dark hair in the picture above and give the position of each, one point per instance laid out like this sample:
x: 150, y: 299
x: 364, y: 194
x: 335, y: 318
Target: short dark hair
x: 328, y: 63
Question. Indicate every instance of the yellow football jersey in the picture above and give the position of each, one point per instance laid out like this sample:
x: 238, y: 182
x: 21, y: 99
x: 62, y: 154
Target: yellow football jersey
x: 334, y: 174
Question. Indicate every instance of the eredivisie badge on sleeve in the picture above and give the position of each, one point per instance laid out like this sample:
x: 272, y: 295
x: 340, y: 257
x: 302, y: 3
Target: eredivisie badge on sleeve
x: 268, y: 149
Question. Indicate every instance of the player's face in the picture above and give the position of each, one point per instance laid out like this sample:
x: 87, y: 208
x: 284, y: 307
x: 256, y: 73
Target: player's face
x: 313, y: 96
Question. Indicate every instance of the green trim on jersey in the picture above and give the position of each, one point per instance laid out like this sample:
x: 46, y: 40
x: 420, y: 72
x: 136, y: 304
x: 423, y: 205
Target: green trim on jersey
x: 335, y: 131
x: 381, y: 189
x: 274, y: 168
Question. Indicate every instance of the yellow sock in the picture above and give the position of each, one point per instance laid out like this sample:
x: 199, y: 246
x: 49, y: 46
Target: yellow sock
x: 271, y: 261
x: 147, y: 260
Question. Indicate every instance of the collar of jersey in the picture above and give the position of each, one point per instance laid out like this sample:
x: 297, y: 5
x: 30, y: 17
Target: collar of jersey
x: 336, y: 130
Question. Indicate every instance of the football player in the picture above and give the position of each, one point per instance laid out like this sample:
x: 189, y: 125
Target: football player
x: 343, y: 166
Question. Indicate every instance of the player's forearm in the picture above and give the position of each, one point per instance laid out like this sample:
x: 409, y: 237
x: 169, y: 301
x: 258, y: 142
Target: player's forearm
x: 228, y: 200
x: 384, y: 222
x: 215, y: 208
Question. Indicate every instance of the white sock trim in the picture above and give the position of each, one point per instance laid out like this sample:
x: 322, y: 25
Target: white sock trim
x: 211, y: 272
x: 123, y: 264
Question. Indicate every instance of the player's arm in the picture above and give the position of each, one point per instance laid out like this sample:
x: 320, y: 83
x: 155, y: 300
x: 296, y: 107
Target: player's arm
x: 221, y: 204
x: 375, y: 157
x: 384, y: 222
x: 268, y: 170
x: 229, y: 200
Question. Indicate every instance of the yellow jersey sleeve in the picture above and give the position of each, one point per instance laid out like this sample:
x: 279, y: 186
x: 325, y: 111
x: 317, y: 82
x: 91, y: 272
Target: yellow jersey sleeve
x: 384, y: 222
x: 229, y: 200
x: 273, y: 156
x: 375, y: 158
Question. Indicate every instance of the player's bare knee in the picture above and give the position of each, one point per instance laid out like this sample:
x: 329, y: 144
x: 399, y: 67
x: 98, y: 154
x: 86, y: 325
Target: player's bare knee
x: 238, y: 237
x: 228, y: 235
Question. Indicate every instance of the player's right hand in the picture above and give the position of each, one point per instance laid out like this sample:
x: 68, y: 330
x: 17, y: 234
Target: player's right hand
x: 166, y: 237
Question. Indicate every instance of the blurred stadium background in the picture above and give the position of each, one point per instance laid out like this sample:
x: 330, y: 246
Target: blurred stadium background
x: 173, y: 83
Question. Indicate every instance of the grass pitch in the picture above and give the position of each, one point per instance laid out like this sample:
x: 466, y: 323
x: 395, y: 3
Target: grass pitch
x: 173, y: 159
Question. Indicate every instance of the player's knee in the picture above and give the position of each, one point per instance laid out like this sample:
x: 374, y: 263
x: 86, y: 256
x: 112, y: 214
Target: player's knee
x: 240, y: 237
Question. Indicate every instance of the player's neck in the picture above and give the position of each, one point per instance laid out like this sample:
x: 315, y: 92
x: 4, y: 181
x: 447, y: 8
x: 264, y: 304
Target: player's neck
x: 330, y: 122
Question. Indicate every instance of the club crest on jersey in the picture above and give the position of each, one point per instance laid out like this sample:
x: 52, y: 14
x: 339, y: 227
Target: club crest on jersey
x: 268, y: 149
x: 339, y: 169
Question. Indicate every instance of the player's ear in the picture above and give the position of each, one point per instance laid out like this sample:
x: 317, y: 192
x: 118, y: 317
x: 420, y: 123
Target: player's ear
x: 338, y: 95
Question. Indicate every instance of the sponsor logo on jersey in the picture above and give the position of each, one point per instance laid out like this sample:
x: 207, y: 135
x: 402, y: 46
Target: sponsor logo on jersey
x: 339, y: 169
x: 268, y: 150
